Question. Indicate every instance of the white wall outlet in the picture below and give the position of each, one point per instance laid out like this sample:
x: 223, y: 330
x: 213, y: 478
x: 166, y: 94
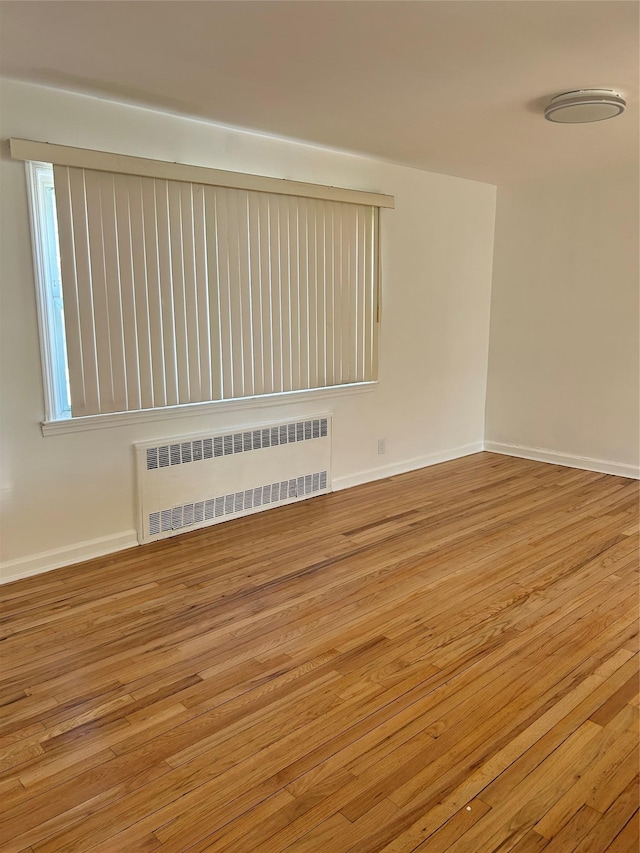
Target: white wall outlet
x: 382, y: 446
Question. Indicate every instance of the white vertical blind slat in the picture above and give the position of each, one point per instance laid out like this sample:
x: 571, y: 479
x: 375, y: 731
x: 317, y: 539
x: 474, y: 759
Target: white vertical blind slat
x: 322, y: 267
x: 213, y: 292
x: 303, y: 361
x: 176, y: 284
x: 97, y: 301
x: 349, y: 292
x: 156, y: 262
x: 361, y: 295
x: 132, y: 367
x: 312, y: 294
x: 235, y: 293
x: 113, y: 288
x: 330, y: 304
x: 266, y: 324
x: 374, y: 238
x: 255, y: 229
x: 274, y: 286
x: 90, y: 404
x: 140, y: 273
x: 285, y: 290
x: 189, y: 283
x: 199, y: 237
x: 144, y: 262
x: 335, y: 375
x: 179, y: 293
x: 69, y: 271
x: 245, y: 273
x: 293, y: 212
x: 102, y: 328
x: 368, y: 294
x: 224, y: 287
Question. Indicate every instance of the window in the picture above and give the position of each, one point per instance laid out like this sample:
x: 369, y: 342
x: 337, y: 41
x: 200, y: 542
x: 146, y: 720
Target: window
x: 164, y: 285
x: 47, y: 261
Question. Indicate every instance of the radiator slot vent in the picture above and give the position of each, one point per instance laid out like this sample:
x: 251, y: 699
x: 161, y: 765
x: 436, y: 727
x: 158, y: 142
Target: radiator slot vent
x: 184, y: 452
x: 190, y: 514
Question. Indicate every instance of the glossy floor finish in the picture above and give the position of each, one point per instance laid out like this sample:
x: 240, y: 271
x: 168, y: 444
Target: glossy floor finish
x: 442, y: 661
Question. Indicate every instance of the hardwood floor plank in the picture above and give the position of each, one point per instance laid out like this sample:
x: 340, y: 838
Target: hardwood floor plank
x: 423, y: 825
x: 628, y: 840
x: 610, y: 749
x: 573, y: 831
x: 455, y: 827
x: 509, y: 821
x: 608, y: 827
x: 608, y: 710
x: 529, y: 843
x: 443, y: 661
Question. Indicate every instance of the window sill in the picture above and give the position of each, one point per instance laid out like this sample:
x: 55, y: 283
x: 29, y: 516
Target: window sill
x: 198, y: 409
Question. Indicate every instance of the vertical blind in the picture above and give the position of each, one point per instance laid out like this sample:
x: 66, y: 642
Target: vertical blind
x: 179, y: 292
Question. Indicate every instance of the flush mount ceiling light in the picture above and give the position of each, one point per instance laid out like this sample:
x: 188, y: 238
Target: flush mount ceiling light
x: 582, y: 105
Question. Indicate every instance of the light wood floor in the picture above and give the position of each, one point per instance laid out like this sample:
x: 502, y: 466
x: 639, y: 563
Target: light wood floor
x: 442, y: 661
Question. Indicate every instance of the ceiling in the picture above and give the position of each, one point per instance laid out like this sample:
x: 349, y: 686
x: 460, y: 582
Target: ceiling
x: 456, y: 87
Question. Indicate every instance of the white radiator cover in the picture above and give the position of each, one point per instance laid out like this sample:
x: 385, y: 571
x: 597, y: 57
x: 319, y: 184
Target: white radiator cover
x: 193, y: 481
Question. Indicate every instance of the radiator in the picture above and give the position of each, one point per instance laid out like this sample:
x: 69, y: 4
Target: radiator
x: 189, y: 482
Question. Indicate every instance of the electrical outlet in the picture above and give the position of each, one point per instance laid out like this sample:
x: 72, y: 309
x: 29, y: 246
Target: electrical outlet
x: 382, y: 446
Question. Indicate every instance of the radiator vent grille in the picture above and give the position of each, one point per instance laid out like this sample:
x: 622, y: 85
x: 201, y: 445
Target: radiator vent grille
x: 181, y: 453
x: 190, y: 514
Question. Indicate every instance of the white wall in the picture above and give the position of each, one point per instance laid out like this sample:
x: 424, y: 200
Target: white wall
x: 62, y: 491
x: 563, y: 366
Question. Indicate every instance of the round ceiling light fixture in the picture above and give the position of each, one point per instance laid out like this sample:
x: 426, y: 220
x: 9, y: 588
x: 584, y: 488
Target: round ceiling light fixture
x: 583, y: 105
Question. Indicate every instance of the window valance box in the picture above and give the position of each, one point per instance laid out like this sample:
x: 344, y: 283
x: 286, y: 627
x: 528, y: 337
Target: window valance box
x: 102, y: 161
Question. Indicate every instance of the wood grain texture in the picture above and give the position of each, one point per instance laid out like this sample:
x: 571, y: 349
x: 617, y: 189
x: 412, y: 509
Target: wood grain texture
x: 446, y: 660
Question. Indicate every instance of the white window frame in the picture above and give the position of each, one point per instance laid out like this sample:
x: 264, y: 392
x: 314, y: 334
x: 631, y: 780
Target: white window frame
x: 57, y: 414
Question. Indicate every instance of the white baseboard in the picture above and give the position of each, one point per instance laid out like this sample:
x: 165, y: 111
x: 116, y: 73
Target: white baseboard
x: 394, y: 468
x: 35, y: 564
x: 569, y: 460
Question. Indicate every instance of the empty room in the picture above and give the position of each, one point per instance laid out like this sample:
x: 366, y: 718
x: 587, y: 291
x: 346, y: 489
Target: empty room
x: 319, y: 406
